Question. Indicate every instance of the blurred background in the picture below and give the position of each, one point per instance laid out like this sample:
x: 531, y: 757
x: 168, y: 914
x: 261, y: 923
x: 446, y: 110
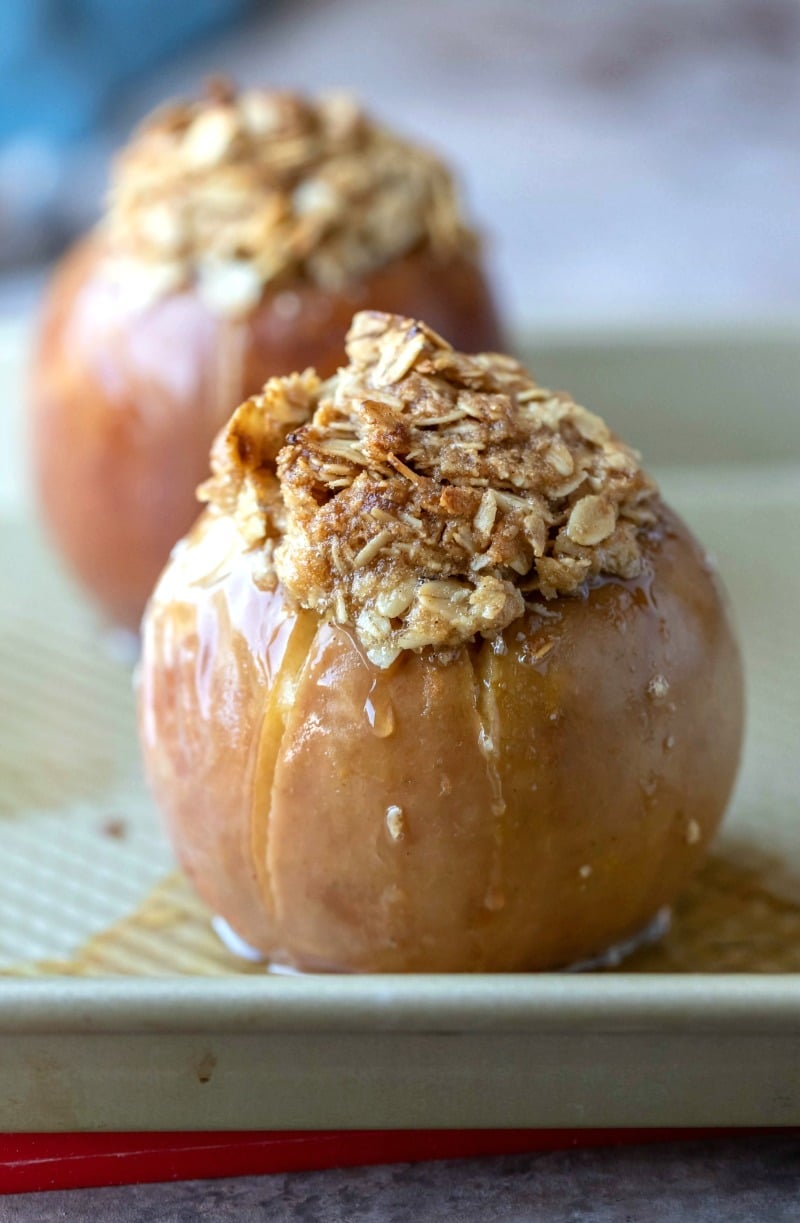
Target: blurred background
x: 628, y: 162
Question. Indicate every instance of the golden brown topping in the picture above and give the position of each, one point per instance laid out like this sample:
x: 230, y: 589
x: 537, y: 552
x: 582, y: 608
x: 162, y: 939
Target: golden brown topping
x: 241, y: 190
x: 244, y: 483
x: 430, y: 493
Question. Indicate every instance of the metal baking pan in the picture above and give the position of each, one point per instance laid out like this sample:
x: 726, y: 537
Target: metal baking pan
x: 119, y: 1009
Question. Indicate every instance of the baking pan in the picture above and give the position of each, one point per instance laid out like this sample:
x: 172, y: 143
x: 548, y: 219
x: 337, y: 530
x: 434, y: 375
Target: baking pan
x: 119, y: 1008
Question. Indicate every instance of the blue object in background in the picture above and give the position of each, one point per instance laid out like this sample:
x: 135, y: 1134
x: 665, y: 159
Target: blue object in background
x: 61, y: 61
x: 64, y: 65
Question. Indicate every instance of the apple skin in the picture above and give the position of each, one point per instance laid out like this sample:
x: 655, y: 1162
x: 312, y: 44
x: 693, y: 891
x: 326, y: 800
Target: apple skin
x: 523, y: 806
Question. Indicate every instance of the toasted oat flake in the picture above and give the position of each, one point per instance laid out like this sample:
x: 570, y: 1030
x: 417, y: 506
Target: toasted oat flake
x: 658, y: 687
x: 414, y: 496
x: 395, y: 822
x: 294, y: 189
x: 229, y: 286
x: 591, y: 520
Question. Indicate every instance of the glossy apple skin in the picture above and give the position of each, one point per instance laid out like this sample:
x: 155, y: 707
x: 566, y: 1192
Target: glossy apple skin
x: 124, y: 403
x: 553, y: 797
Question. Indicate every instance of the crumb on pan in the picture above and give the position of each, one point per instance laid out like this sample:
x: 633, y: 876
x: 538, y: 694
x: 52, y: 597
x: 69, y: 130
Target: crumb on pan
x: 422, y: 495
x: 114, y: 827
x: 240, y: 190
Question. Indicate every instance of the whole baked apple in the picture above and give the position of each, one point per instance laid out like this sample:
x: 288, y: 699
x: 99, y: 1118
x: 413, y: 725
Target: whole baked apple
x: 437, y: 682
x: 243, y: 232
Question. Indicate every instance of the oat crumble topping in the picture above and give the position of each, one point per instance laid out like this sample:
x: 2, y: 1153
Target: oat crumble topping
x: 422, y: 495
x: 240, y: 190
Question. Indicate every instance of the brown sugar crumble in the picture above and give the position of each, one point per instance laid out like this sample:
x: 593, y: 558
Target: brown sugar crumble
x: 422, y: 495
x: 240, y: 190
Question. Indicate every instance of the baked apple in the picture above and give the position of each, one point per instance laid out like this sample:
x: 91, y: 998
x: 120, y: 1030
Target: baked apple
x: 243, y: 232
x: 437, y: 682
